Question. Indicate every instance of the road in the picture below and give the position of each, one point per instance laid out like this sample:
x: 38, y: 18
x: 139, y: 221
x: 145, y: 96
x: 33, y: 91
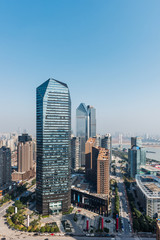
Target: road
x: 124, y: 208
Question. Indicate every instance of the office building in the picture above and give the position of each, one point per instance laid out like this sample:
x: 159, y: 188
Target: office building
x: 136, y: 157
x: 103, y: 172
x: 53, y: 147
x: 148, y: 191
x: 91, y: 121
x: 136, y: 141
x: 5, y: 168
x: 85, y: 127
x: 91, y: 155
x: 25, y: 153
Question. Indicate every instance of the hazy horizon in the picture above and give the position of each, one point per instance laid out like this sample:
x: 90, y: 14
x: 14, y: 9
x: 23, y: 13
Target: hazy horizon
x: 107, y: 52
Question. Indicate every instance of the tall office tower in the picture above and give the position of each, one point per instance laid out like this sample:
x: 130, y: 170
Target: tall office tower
x: 106, y: 143
x: 91, y: 121
x: 75, y: 152
x: 53, y: 147
x: 82, y: 121
x: 86, y: 127
x: 136, y: 141
x: 25, y: 153
x: 103, y: 176
x: 91, y: 155
x: 82, y: 130
x: 5, y: 168
x: 136, y: 157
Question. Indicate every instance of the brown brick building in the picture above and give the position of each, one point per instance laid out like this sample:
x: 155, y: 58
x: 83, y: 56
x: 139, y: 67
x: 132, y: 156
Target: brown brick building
x: 103, y: 176
x: 97, y: 166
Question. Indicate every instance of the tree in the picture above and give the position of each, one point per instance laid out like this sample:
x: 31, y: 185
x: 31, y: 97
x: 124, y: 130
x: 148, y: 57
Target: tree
x: 51, y: 230
x: 48, y: 228
x: 14, y: 218
x: 18, y: 204
x: 10, y: 210
x: 42, y: 230
x: 34, y: 223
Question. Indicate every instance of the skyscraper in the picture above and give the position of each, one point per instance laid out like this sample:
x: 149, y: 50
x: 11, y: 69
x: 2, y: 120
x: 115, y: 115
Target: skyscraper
x: 136, y: 156
x: 25, y: 153
x: 53, y: 147
x: 82, y: 121
x: 5, y: 168
x: 85, y: 126
x: 136, y: 141
x: 91, y: 121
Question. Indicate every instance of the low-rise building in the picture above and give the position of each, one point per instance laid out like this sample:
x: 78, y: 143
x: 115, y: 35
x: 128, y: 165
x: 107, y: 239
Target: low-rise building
x: 148, y: 191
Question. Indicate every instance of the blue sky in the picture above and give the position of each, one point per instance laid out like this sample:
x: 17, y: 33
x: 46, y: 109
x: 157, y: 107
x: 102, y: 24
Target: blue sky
x: 108, y: 52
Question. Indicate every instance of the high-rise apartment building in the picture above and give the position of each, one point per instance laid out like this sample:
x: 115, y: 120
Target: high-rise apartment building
x: 5, y: 168
x: 75, y: 152
x: 136, y: 157
x: 53, y: 147
x: 25, y: 153
x: 86, y: 127
x: 103, y: 176
x: 106, y: 143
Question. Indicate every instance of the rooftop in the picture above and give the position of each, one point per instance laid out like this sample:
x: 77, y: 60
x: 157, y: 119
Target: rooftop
x: 149, y: 185
x: 150, y: 168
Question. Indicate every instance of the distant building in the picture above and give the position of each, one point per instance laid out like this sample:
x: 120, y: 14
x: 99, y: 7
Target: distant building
x: 25, y: 153
x: 148, y: 191
x: 75, y: 153
x: 53, y: 191
x: 5, y: 168
x: 103, y: 172
x: 98, y: 140
x: 136, y: 157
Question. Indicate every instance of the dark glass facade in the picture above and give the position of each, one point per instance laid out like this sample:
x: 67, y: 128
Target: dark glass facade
x: 53, y: 147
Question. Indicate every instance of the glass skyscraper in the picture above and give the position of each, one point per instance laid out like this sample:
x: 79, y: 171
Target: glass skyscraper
x: 82, y: 121
x: 53, y: 147
x: 91, y: 121
x: 86, y: 127
x: 136, y: 156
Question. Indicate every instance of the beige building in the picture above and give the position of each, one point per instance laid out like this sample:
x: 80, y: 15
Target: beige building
x: 25, y: 153
x: 103, y: 178
x: 97, y: 166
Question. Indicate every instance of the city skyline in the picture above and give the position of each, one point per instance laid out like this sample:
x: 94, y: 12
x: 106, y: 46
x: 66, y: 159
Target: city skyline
x: 107, y: 52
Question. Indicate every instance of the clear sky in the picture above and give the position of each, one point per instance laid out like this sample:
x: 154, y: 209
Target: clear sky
x: 108, y: 52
